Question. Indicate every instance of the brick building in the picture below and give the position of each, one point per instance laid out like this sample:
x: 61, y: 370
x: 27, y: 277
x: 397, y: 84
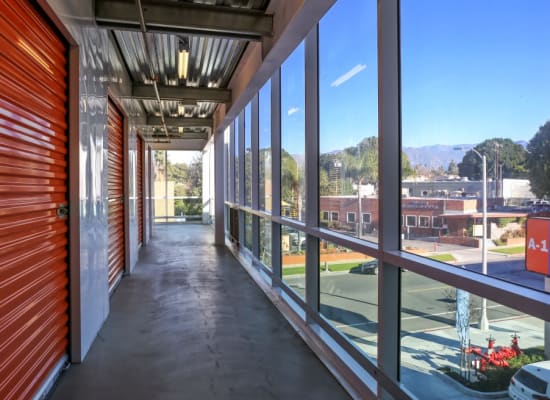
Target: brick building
x: 420, y: 216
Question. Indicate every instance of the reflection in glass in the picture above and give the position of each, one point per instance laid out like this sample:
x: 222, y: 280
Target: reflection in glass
x: 293, y: 135
x: 349, y: 294
x: 473, y: 98
x: 227, y: 162
x: 293, y: 246
x: 265, y: 147
x: 248, y: 231
x: 237, y: 156
x: 248, y: 155
x: 265, y: 242
x: 348, y: 163
x: 433, y: 337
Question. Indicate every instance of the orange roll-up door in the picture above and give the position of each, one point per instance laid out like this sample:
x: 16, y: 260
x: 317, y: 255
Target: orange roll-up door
x: 33, y: 200
x: 116, y: 194
x: 139, y: 178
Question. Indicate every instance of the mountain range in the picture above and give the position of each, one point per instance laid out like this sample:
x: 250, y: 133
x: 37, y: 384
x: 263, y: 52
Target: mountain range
x: 437, y: 155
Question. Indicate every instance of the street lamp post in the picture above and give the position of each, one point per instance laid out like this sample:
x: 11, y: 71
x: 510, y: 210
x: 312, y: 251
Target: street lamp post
x: 483, y: 321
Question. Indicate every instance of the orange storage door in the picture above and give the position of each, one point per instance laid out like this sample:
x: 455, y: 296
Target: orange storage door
x: 116, y: 194
x: 139, y: 185
x: 33, y: 191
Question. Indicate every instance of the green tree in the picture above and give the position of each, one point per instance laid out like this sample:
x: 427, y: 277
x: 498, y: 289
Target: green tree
x: 505, y: 159
x: 538, y: 161
x: 324, y: 184
x: 290, y: 181
x: 360, y: 163
x: 177, y: 172
x: 248, y: 176
x: 195, y: 176
x: 406, y: 167
x: 452, y: 169
x: 159, y: 157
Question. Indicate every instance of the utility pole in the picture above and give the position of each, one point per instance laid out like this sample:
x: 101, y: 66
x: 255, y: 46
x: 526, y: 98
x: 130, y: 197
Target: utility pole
x: 483, y: 321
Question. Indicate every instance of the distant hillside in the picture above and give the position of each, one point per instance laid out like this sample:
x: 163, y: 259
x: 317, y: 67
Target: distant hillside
x: 441, y: 155
x: 436, y: 155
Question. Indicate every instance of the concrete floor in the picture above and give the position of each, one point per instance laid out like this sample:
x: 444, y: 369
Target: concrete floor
x: 190, y: 323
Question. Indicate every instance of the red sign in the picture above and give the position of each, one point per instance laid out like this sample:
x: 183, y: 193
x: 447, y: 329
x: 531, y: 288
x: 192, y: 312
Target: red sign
x: 537, y: 243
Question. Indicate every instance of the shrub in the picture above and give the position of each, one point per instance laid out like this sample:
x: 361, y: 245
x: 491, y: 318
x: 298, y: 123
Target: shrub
x: 496, y: 378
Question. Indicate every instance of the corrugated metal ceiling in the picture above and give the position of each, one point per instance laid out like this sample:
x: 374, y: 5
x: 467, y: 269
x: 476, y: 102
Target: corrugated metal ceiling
x: 212, y: 62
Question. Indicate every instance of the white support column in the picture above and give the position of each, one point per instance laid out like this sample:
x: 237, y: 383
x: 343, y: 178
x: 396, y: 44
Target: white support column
x: 219, y: 231
x: 312, y: 167
x: 242, y: 175
x: 205, y: 183
x: 254, y: 144
x: 276, y: 176
x: 547, y: 323
x: 231, y: 173
x: 389, y: 283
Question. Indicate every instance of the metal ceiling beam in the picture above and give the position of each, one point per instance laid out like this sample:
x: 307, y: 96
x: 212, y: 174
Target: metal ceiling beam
x: 178, y: 93
x: 176, y: 144
x: 181, y: 121
x: 180, y: 17
x: 187, y: 135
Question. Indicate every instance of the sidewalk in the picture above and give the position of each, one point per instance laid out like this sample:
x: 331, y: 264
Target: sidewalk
x: 423, y: 353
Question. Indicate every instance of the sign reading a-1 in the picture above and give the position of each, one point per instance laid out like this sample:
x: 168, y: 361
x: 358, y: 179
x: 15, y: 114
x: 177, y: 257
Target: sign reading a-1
x: 537, y: 243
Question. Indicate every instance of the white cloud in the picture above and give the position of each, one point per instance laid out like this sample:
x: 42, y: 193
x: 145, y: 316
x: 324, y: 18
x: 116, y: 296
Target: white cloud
x: 348, y: 75
x: 293, y: 110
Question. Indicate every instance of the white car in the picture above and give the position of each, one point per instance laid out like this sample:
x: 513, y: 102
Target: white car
x: 531, y: 382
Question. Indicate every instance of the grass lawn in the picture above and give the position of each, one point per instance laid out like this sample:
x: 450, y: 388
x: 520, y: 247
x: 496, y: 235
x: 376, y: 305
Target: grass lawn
x: 445, y: 257
x: 510, y: 250
x: 340, y: 267
x: 300, y: 269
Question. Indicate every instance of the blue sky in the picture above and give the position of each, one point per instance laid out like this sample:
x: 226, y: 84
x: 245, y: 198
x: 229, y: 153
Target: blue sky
x: 471, y: 70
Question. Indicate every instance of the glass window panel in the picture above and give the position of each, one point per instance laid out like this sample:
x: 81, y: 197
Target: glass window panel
x: 178, y: 186
x: 349, y: 294
x: 265, y: 147
x: 160, y: 203
x: 248, y: 155
x: 265, y: 242
x: 237, y: 153
x: 433, y: 339
x: 293, y: 246
x: 470, y: 95
x: 248, y: 231
x: 293, y: 135
x: 227, y: 176
x: 348, y: 90
x: 226, y: 219
x: 184, y: 175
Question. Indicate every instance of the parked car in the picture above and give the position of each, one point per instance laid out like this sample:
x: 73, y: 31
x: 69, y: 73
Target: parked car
x: 369, y: 267
x: 531, y: 382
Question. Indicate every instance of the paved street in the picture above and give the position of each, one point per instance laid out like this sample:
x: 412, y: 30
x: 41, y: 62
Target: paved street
x: 429, y: 337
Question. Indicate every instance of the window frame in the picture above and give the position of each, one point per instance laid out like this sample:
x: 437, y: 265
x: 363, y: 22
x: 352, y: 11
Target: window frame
x: 425, y: 218
x: 363, y: 215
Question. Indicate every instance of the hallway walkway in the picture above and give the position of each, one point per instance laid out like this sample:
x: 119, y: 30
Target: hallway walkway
x: 189, y: 323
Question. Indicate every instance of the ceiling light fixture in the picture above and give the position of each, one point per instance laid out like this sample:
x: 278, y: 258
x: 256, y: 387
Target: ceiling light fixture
x: 183, y: 58
x: 180, y: 130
